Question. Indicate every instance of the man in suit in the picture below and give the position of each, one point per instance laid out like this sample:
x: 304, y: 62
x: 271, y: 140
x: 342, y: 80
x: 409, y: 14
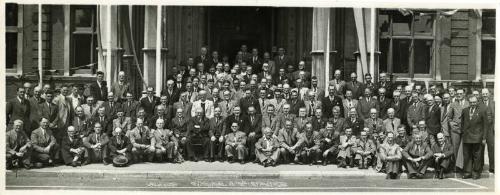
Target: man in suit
x: 90, y: 108
x: 474, y: 124
x: 282, y: 60
x: 331, y: 101
x: 312, y: 104
x: 383, y: 102
x: 289, y: 145
x: 130, y: 106
x: 417, y: 155
x: 81, y: 123
x: 456, y: 131
x: 355, y: 123
x: 281, y: 77
x: 48, y: 109
x: 301, y: 120
x: 171, y: 93
x: 400, y: 107
x: 227, y: 104
x: 366, y: 103
x: 203, y: 57
x: 235, y: 144
x: 310, y: 146
x: 346, y: 154
x: 267, y: 149
x: 249, y: 101
x: 364, y: 150
x: 320, y: 93
x: 368, y: 83
x: 45, y: 147
x: 97, y: 144
x: 390, y: 156
x: 272, y: 64
x: 120, y: 146
x: 349, y: 102
x: 269, y: 118
x: 489, y: 106
x: 432, y: 119
x: 19, y: 109
x: 183, y: 104
x: 253, y: 129
x: 339, y: 123
x: 120, y: 88
x: 104, y: 121
x: 72, y: 150
x: 295, y: 102
x: 35, y: 113
x: 355, y: 86
x: 416, y: 110
x: 214, y: 59
x: 385, y: 82
x: 205, y: 105
x: 112, y: 106
x: 64, y: 113
x: 140, y: 137
x: 122, y: 122
x: 446, y: 115
x: 178, y: 125
x: 161, y: 113
x: 18, y: 147
x: 265, y: 71
x: 197, y: 134
x: 337, y: 83
x: 443, y: 155
x: 283, y: 117
x: 330, y: 142
x: 165, y: 142
x: 255, y: 61
x: 167, y: 108
x: 374, y: 123
x: 217, y: 130
x: 149, y: 103
x: 319, y: 121
x: 99, y: 89
x: 391, y: 123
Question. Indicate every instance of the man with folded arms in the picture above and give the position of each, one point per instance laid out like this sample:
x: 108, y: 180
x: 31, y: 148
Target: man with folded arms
x: 45, y: 148
x: 120, y: 147
x: 140, y: 137
x: 417, y: 155
x: 443, y: 154
x: 267, y: 148
x: 330, y: 142
x: 345, y: 155
x: 72, y: 149
x: 235, y: 144
x: 289, y: 145
x: 97, y: 145
x: 18, y: 146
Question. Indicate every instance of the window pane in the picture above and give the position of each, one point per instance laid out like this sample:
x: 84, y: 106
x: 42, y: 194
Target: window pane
x: 401, y: 25
x: 83, y: 17
x: 11, y: 14
x: 384, y: 49
x: 423, y: 24
x: 383, y: 22
x: 488, y: 22
x: 81, y: 50
x: 488, y: 57
x: 423, y: 56
x: 11, y: 50
x: 401, y: 55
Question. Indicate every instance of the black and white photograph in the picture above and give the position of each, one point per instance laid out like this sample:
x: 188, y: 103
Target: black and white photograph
x: 255, y: 98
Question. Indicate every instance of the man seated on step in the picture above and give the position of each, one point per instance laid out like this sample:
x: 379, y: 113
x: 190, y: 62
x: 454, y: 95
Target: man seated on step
x: 97, y: 145
x: 267, y: 148
x: 310, y: 143
x: 140, y: 137
x: 120, y: 148
x: 235, y: 144
x: 330, y: 142
x: 443, y: 155
x: 417, y: 155
x: 165, y: 142
x: 18, y: 147
x: 45, y: 147
x: 364, y: 150
x: 72, y: 149
x: 345, y: 156
x: 390, y: 157
x: 289, y: 145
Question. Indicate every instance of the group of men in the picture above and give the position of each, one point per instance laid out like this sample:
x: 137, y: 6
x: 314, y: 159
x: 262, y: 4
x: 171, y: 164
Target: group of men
x: 275, y: 115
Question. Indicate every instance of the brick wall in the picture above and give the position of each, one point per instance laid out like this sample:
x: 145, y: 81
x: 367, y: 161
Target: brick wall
x: 459, y: 49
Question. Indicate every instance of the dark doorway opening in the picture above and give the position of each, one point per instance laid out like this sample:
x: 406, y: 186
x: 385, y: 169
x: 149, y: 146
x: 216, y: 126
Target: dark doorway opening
x: 231, y: 27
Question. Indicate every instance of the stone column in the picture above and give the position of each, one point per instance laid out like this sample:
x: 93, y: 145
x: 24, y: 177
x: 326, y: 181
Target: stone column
x: 319, y: 44
x: 153, y: 71
x: 108, y: 21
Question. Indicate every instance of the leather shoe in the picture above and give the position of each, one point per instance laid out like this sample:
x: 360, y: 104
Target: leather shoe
x: 467, y: 176
x: 325, y: 163
x: 476, y: 176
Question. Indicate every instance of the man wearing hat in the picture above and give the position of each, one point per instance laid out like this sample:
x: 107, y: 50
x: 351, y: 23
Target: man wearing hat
x: 267, y: 148
x: 97, y: 144
x: 140, y: 137
x: 72, y: 149
x: 120, y: 148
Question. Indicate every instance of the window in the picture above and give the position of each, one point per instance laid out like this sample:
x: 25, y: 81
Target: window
x: 83, y: 54
x: 13, y: 38
x: 406, y: 42
x: 488, y: 42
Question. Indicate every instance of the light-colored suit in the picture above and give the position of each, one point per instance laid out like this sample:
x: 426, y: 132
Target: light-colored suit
x: 86, y: 110
x: 278, y: 105
x: 310, y: 109
x: 125, y: 124
x: 389, y: 127
x: 227, y: 107
x: 186, y: 108
x: 65, y: 111
x: 445, y: 119
x: 209, y: 108
x: 354, y: 104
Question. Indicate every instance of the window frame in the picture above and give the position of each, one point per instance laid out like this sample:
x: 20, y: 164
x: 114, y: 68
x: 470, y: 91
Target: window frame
x: 390, y: 37
x: 73, y: 30
x: 484, y: 37
x: 17, y: 68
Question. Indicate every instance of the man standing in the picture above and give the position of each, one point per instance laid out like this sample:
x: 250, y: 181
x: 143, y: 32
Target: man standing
x: 19, y: 109
x: 206, y: 106
x: 366, y: 103
x: 252, y: 127
x: 456, y: 124
x: 149, y: 103
x: 374, y: 124
x: 120, y: 88
x: 130, y: 106
x: 105, y: 123
x: 391, y: 123
x: 432, y: 119
x: 99, y: 89
x: 18, y: 147
x: 416, y: 110
x: 183, y: 104
x: 124, y: 123
x: 489, y: 105
x: 474, y: 123
x: 281, y: 60
x: 331, y: 101
x: 90, y: 108
x: 354, y: 86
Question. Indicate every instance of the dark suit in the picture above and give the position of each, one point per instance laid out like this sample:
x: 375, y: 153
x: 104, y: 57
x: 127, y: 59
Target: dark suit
x: 106, y: 124
x: 433, y: 122
x: 111, y: 110
x: 364, y: 107
x: 82, y: 126
x: 231, y: 119
x: 247, y: 102
x: 255, y: 127
x: 356, y: 126
x: 217, y: 128
x: 411, y: 150
x: 356, y: 89
x: 256, y: 65
x: 74, y: 143
x: 295, y: 105
x: 40, y: 141
x: 197, y: 136
x: 447, y: 150
x: 48, y: 113
x: 149, y: 106
x: 204, y: 60
x: 99, y: 93
x: 474, y: 132
x: 172, y: 96
x: 130, y: 110
x: 282, y: 62
x: 384, y: 105
x: 327, y: 106
x: 35, y: 113
x: 490, y: 132
x: 18, y: 110
x: 114, y: 146
x: 99, y: 153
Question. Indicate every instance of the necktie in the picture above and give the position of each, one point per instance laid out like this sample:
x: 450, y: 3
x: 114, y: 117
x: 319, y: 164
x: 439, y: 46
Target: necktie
x: 392, y: 123
x: 251, y: 119
x: 102, y: 119
x: 270, y: 120
x: 472, y: 113
x: 312, y: 108
x: 91, y: 109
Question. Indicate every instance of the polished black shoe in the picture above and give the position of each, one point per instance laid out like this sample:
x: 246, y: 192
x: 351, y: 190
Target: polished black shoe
x: 441, y: 174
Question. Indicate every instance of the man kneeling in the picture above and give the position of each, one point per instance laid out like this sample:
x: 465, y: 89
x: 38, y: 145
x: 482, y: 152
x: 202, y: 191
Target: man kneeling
x: 267, y: 148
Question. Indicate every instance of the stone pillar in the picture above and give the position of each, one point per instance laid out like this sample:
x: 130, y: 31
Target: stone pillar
x: 319, y: 44
x: 153, y: 72
x: 363, y: 19
x: 109, y: 41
